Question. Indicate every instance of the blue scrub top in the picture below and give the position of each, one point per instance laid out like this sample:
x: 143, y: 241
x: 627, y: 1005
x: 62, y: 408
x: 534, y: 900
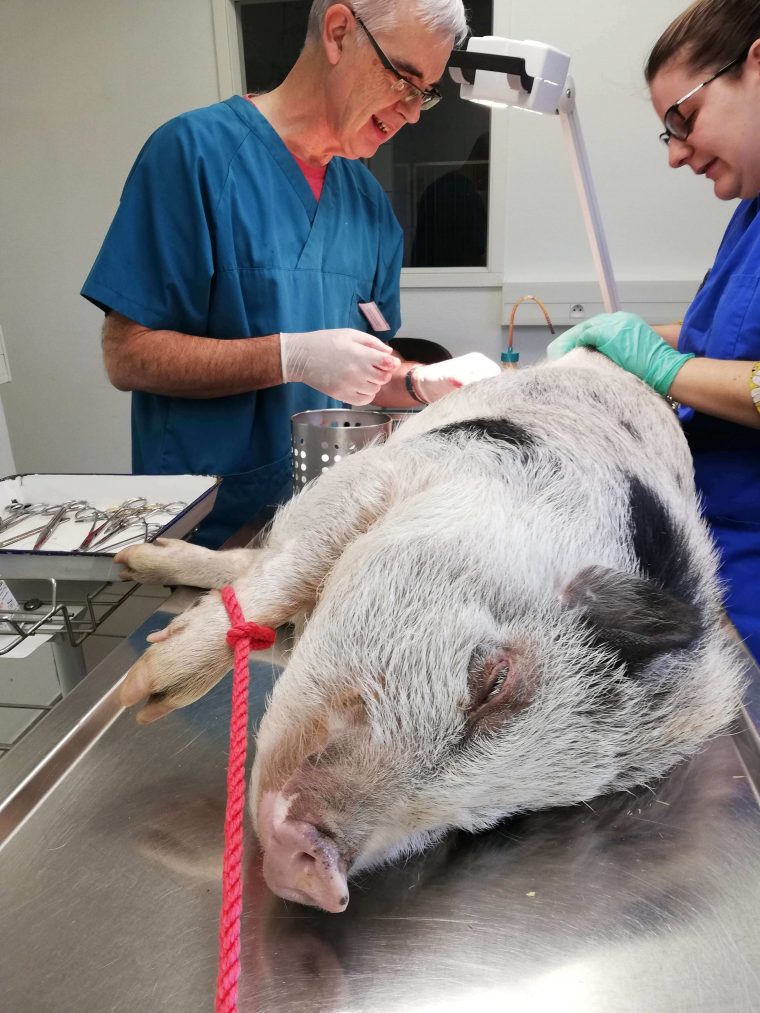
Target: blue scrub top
x: 723, y: 322
x: 218, y: 235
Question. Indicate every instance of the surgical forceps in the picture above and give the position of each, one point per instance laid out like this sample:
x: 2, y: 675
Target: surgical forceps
x: 59, y: 516
x: 94, y: 515
x: 151, y: 530
x: 19, y: 512
x: 21, y: 536
x: 128, y: 514
x: 112, y: 520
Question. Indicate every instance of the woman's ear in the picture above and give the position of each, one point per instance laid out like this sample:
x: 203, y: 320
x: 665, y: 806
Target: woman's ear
x: 753, y: 57
x: 337, y: 23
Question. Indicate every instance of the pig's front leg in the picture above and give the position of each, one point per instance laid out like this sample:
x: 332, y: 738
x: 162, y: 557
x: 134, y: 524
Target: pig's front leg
x: 283, y: 579
x: 173, y: 561
x: 184, y: 662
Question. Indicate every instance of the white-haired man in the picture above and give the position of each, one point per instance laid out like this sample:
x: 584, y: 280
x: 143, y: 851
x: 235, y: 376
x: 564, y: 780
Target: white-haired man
x: 247, y: 235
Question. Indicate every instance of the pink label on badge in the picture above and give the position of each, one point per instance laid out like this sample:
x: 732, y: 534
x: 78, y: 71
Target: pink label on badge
x: 376, y: 319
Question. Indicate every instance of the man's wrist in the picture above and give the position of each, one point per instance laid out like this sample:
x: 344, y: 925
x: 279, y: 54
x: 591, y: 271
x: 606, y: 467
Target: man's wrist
x: 411, y: 387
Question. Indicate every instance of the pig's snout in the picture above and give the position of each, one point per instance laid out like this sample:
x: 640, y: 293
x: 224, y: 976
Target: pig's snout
x: 300, y: 862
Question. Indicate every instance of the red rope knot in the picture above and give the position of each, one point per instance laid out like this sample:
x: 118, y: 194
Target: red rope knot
x: 258, y: 637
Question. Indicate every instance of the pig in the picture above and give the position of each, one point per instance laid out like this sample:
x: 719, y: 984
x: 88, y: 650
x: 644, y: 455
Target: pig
x: 511, y: 604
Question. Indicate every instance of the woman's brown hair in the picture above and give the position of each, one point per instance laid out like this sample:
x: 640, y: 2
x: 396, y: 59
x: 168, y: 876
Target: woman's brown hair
x: 708, y: 35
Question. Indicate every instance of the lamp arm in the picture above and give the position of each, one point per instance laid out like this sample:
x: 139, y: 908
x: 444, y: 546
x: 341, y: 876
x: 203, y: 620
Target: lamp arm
x: 587, y: 195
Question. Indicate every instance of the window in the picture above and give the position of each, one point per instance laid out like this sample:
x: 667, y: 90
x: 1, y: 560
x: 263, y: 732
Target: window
x: 435, y: 173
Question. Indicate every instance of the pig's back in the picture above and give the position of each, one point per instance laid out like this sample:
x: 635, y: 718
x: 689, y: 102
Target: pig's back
x: 557, y: 468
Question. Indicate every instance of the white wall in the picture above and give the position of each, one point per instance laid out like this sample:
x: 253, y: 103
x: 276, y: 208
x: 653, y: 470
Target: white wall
x: 82, y: 84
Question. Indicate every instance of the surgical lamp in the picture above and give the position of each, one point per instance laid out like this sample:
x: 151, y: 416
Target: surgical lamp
x: 495, y: 71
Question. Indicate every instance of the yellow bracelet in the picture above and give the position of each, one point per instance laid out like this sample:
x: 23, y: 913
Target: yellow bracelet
x: 754, y: 385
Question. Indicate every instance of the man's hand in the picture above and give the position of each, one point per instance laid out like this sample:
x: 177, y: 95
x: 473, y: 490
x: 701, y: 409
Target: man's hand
x: 432, y: 382
x: 346, y: 364
x: 628, y: 341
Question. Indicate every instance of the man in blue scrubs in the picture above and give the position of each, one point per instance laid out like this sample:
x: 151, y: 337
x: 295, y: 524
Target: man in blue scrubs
x: 247, y: 235
x: 704, y: 76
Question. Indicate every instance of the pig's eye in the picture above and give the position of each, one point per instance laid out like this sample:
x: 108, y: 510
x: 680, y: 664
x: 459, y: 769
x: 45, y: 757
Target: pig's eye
x: 488, y: 673
x: 500, y: 684
x: 499, y: 676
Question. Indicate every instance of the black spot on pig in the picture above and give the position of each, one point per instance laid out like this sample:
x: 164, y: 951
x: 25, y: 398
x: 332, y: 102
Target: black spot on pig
x: 632, y: 616
x: 631, y: 429
x: 659, y: 543
x: 498, y: 430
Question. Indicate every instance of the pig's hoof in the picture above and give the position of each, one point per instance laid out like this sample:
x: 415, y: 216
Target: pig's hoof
x: 141, y: 682
x: 184, y: 662
x: 159, y: 562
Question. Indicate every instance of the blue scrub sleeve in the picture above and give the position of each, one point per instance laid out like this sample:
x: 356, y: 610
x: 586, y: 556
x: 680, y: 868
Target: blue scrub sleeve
x: 156, y: 264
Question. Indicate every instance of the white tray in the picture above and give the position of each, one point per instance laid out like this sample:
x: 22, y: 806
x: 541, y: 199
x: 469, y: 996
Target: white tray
x: 56, y: 558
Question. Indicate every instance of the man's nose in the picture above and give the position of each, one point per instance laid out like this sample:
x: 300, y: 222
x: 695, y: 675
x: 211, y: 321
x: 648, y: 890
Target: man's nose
x: 410, y: 108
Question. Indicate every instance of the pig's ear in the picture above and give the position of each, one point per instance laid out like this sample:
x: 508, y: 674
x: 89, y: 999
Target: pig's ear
x: 632, y: 615
x: 501, y: 683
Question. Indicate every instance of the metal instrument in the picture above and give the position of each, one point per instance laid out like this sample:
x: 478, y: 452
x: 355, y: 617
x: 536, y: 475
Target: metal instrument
x: 58, y: 517
x: 17, y: 512
x: 132, y: 513
x: 21, y: 536
x: 105, y: 524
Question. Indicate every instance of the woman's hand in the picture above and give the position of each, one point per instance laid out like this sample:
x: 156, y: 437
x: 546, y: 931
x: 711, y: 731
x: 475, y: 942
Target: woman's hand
x: 627, y: 340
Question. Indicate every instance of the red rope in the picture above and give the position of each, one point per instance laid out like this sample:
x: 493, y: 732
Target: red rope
x: 243, y: 638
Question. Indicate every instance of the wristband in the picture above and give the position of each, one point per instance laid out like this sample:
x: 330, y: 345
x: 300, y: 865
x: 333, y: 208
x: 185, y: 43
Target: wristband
x: 754, y: 385
x: 411, y: 389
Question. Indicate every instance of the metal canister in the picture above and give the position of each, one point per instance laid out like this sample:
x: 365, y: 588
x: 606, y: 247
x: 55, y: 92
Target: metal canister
x: 322, y: 438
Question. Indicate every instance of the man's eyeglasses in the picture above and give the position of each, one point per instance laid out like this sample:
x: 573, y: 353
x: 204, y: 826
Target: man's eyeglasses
x: 428, y: 99
x: 676, y: 124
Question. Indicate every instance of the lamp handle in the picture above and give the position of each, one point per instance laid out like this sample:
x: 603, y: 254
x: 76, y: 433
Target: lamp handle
x: 592, y: 218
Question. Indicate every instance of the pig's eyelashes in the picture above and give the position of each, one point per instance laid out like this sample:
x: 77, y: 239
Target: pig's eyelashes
x: 492, y: 683
x: 501, y: 685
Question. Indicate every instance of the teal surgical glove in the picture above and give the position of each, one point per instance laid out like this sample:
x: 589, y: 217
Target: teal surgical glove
x: 628, y: 341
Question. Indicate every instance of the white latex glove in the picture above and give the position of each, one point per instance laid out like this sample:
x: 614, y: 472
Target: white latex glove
x: 346, y: 364
x: 433, y: 381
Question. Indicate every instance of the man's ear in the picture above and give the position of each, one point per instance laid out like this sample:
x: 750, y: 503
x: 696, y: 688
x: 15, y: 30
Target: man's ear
x: 632, y: 615
x: 337, y: 22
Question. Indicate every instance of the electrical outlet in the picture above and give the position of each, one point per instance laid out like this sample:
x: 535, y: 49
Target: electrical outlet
x: 5, y: 370
x: 577, y: 311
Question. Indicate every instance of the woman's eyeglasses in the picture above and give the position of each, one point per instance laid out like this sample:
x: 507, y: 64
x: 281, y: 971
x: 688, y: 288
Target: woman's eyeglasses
x: 427, y: 99
x: 676, y: 124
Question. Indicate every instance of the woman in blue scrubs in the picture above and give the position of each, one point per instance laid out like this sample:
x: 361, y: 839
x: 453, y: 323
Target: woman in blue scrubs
x: 246, y: 238
x: 704, y: 77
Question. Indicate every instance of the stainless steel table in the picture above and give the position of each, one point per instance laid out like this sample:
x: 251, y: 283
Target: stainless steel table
x: 110, y: 885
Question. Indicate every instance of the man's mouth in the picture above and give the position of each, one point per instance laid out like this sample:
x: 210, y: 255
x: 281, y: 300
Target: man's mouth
x: 381, y: 126
x: 705, y: 170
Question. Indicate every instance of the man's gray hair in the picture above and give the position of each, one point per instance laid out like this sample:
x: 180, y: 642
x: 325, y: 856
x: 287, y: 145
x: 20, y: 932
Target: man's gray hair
x: 445, y: 16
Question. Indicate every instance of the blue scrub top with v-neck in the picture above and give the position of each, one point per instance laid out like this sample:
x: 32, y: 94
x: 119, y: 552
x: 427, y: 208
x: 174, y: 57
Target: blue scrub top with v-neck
x: 723, y: 322
x: 218, y: 235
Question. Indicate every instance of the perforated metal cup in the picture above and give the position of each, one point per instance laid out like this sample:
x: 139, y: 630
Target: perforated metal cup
x: 321, y: 438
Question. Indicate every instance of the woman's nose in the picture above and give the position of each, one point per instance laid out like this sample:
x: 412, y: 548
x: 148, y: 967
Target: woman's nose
x: 678, y: 152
